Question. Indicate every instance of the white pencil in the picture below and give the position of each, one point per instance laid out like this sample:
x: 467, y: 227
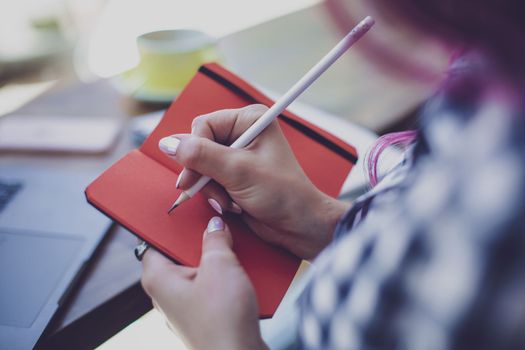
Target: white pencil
x: 281, y: 104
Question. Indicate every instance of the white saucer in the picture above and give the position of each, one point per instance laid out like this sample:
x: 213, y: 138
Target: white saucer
x: 131, y: 84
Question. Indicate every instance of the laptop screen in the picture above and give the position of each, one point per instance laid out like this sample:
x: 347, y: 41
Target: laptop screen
x: 32, y: 265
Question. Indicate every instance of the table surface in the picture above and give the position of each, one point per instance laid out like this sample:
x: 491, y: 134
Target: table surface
x: 108, y: 296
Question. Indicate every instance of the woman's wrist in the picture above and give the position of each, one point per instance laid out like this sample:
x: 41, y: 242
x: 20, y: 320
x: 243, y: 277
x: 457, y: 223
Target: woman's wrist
x: 320, y: 217
x: 329, y: 212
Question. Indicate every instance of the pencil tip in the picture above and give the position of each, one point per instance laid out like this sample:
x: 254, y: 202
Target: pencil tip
x: 172, y: 208
x: 182, y: 198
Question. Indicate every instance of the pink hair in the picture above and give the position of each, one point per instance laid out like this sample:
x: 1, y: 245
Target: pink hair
x: 402, y: 139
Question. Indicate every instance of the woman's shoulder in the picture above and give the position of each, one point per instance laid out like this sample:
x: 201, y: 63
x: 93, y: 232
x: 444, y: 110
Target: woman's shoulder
x: 475, y: 150
x: 422, y: 266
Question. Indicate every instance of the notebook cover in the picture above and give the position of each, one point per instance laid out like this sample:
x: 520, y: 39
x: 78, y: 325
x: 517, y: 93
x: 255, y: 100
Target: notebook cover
x: 138, y: 189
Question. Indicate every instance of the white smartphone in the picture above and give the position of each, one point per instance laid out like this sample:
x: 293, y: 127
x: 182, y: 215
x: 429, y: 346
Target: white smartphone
x: 58, y: 133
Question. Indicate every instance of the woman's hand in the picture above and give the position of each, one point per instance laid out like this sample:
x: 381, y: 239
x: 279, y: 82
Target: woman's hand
x: 212, y: 306
x: 278, y: 201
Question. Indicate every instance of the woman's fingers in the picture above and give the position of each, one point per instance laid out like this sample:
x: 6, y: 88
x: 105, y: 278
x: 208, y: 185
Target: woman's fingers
x: 204, y: 151
x: 224, y: 164
x: 217, y: 196
x: 160, y: 275
x: 187, y: 178
x: 184, y: 149
x: 217, y: 246
x: 225, y: 126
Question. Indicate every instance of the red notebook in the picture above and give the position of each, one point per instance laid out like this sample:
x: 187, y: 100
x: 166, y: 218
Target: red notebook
x: 138, y: 189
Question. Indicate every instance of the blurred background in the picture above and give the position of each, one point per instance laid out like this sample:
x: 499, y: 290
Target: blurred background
x: 100, y: 34
x: 45, y: 40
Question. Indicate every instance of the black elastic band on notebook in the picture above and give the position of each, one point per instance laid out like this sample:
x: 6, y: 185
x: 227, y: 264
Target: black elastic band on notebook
x: 293, y: 123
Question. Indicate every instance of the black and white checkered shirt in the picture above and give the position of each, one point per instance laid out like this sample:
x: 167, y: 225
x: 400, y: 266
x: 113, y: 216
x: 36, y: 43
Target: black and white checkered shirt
x: 434, y: 256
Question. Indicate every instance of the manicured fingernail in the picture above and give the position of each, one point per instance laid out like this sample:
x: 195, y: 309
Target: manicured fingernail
x: 235, y: 208
x: 215, y: 205
x: 193, y: 124
x: 169, y: 145
x: 215, y: 224
x: 178, y: 179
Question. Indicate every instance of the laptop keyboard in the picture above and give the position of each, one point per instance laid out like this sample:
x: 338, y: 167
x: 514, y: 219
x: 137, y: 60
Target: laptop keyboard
x: 7, y: 192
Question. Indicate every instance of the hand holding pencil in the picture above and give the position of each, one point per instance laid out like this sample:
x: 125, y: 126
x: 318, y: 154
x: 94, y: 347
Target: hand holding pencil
x: 261, y: 187
x: 282, y: 207
x: 295, y: 91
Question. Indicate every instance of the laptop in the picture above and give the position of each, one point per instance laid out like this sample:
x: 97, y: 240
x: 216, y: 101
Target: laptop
x: 48, y: 233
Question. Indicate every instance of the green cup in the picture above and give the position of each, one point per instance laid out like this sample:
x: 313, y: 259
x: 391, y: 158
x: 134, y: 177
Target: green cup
x: 168, y: 60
